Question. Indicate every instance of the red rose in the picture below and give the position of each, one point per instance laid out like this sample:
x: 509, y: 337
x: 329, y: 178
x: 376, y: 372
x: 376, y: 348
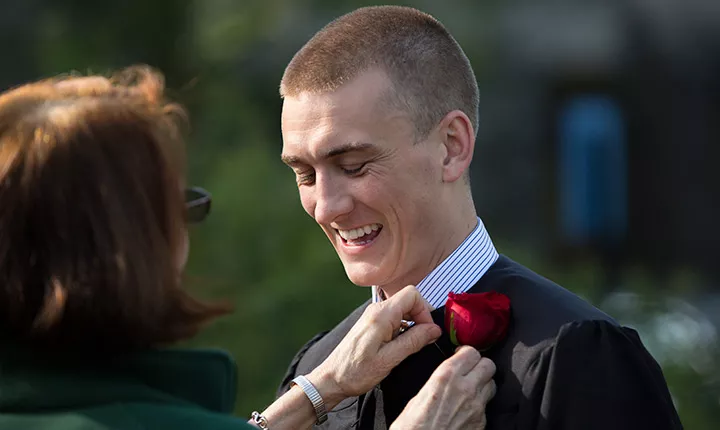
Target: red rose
x: 479, y: 320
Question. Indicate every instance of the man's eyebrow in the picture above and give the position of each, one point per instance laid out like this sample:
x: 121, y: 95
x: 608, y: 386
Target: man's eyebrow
x: 293, y: 160
x: 347, y: 147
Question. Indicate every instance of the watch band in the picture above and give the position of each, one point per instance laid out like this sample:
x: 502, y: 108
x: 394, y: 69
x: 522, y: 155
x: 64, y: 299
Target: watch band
x: 315, y: 397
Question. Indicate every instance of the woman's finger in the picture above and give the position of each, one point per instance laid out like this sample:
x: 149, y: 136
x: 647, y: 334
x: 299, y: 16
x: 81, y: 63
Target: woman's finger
x: 411, y: 342
x: 411, y: 305
x: 484, y: 370
x: 464, y: 360
x: 488, y: 392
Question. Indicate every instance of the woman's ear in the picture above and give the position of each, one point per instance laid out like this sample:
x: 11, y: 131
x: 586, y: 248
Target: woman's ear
x: 459, y: 139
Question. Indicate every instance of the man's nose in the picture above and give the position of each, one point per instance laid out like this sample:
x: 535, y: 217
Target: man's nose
x: 333, y: 199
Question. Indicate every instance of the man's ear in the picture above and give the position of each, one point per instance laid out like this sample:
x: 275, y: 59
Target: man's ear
x: 458, y: 136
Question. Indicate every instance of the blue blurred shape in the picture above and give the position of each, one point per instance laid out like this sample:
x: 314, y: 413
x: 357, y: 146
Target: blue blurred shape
x: 592, y: 171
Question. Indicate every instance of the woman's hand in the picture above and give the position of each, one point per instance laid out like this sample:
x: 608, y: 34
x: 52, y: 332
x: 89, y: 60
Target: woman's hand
x: 454, y: 397
x: 371, y: 350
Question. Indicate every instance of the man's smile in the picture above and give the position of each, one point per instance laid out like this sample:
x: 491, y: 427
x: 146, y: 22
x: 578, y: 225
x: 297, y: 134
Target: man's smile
x: 360, y: 236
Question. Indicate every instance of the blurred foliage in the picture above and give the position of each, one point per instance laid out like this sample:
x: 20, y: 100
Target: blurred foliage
x: 259, y: 250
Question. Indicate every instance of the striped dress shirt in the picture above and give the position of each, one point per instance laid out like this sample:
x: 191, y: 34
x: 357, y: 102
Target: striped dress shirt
x: 459, y: 271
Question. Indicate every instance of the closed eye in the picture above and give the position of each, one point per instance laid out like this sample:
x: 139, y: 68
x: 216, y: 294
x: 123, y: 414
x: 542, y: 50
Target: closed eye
x: 353, y: 171
x: 306, y: 178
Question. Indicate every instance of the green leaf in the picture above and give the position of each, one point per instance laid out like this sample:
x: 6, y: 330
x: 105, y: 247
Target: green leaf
x: 453, y: 332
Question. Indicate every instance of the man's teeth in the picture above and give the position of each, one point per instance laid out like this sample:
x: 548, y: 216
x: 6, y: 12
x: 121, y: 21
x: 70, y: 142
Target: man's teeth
x: 358, y: 232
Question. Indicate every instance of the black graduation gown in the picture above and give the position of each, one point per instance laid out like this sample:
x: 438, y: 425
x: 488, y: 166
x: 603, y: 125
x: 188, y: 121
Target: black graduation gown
x: 564, y: 365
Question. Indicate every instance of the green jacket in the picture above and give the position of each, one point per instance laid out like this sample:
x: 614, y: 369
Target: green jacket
x: 170, y: 389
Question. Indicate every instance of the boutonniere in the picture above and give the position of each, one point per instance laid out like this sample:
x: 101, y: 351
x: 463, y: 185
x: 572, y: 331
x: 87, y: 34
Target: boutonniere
x: 479, y: 320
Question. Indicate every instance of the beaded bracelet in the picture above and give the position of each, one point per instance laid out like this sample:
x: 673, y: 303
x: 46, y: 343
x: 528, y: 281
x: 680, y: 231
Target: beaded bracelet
x: 259, y: 420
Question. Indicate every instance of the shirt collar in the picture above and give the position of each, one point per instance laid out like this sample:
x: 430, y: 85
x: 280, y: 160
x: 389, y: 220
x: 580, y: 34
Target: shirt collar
x: 462, y: 269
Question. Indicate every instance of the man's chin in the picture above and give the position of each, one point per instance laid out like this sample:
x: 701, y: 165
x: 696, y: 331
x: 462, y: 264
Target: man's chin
x: 361, y: 278
x: 361, y: 281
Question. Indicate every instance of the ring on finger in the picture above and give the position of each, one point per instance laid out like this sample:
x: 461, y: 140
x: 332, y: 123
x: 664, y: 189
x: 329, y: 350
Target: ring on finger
x: 404, y: 326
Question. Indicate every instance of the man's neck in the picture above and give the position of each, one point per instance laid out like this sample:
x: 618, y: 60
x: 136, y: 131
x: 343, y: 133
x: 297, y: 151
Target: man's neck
x: 455, y: 238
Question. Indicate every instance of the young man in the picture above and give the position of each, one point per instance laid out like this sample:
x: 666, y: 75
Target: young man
x: 379, y: 122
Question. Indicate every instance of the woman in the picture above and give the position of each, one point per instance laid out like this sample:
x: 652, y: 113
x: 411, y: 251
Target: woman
x: 93, y: 240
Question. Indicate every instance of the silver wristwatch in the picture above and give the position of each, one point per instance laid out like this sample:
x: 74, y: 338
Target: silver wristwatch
x: 315, y: 397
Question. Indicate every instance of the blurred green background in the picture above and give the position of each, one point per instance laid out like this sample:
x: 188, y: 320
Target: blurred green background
x: 658, y: 63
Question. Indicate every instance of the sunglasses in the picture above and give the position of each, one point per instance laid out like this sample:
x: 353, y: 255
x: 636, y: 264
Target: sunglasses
x: 197, y: 204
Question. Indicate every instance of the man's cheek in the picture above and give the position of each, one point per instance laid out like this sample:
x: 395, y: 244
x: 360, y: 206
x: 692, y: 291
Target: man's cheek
x: 308, y: 204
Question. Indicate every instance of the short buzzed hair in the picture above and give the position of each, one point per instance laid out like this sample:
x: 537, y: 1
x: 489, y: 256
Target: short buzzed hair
x: 430, y: 73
